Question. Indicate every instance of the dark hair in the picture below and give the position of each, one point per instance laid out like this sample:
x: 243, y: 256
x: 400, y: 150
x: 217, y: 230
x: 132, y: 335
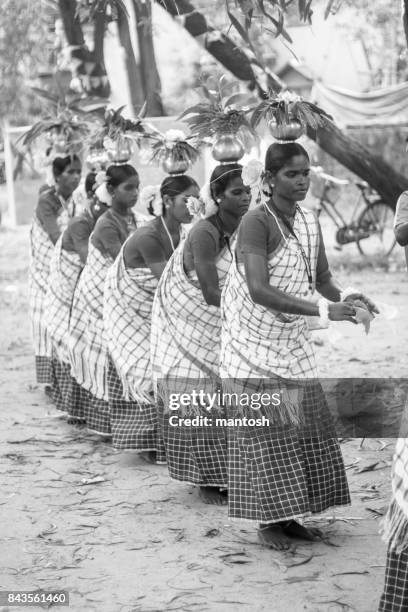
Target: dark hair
x: 60, y: 164
x: 172, y: 186
x: 222, y: 176
x: 90, y: 181
x: 278, y: 155
x: 117, y: 174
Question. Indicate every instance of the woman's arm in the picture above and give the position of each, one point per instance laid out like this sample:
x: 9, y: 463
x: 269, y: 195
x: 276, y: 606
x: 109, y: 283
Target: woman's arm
x: 47, y: 213
x: 256, y: 271
x: 401, y: 234
x: 204, y: 250
x: 325, y: 283
x: 262, y: 293
x: 149, y: 248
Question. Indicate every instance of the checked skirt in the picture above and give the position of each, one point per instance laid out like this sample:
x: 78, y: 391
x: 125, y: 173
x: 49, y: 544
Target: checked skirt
x: 134, y: 426
x: 67, y: 394
x: 286, y: 471
x: 395, y: 594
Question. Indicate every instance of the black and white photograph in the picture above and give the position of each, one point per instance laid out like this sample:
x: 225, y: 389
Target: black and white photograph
x: 204, y: 305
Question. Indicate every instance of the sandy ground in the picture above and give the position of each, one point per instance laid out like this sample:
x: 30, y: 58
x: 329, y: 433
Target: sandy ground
x: 135, y: 540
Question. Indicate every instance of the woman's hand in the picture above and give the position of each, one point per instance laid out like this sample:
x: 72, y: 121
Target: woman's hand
x: 342, y: 311
x: 360, y: 296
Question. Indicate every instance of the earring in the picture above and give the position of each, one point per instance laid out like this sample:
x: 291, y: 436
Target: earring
x: 219, y: 200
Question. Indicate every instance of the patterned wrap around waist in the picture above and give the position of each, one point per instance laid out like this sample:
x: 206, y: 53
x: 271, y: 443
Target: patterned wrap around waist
x: 65, y: 269
x: 41, y: 249
x: 127, y: 312
x: 185, y: 339
x: 87, y: 346
x: 256, y: 341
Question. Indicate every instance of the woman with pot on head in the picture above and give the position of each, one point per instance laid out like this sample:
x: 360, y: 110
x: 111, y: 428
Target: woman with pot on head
x: 87, y: 346
x: 186, y: 329
x: 129, y: 290
x: 67, y: 261
x: 51, y: 216
x: 291, y: 466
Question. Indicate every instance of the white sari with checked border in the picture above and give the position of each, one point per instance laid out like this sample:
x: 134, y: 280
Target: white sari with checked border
x: 127, y: 314
x: 257, y: 342
x: 185, y: 339
x: 65, y: 268
x: 41, y: 250
x: 395, y: 528
x: 87, y: 346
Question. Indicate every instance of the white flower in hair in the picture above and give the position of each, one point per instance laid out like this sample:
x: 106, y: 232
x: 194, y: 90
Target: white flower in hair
x: 252, y: 173
x: 100, y: 178
x: 150, y: 199
x: 195, y: 206
x: 103, y: 194
x: 210, y: 206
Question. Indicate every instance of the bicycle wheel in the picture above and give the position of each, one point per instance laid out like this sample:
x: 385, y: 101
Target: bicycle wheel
x: 376, y: 224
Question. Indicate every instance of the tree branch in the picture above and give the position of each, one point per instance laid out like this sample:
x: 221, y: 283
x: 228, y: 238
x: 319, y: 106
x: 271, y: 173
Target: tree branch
x: 349, y: 152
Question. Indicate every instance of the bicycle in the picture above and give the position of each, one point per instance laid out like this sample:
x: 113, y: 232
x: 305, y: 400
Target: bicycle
x: 371, y: 227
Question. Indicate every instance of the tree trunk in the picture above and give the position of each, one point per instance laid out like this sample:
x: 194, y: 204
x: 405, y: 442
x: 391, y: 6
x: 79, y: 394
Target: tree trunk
x: 371, y: 168
x: 91, y: 71
x: 405, y: 18
x: 133, y: 72
x: 149, y: 72
x: 222, y: 48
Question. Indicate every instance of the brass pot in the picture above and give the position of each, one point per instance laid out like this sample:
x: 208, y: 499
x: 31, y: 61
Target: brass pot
x: 170, y: 165
x: 97, y: 158
x: 286, y: 132
x: 228, y: 148
x: 121, y: 151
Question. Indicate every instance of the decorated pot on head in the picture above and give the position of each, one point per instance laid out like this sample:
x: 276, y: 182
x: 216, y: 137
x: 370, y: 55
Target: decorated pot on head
x: 119, y: 150
x: 174, y: 153
x: 288, y: 116
x: 97, y: 159
x: 289, y: 131
x: 228, y: 148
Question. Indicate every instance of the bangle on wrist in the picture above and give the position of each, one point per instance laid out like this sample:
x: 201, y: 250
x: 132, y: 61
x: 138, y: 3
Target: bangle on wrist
x: 347, y: 292
x: 323, y: 312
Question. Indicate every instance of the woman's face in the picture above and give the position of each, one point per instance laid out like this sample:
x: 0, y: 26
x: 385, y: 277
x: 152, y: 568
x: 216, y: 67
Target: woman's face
x: 293, y: 180
x: 126, y: 193
x: 178, y: 204
x: 68, y: 180
x: 236, y: 198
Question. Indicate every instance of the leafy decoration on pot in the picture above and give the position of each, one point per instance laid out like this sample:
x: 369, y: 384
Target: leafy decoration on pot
x: 174, y: 151
x: 216, y: 115
x: 286, y: 113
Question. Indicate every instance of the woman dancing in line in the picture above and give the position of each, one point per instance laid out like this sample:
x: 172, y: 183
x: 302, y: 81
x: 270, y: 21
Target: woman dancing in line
x: 67, y: 261
x: 129, y: 290
x: 186, y: 329
x: 87, y: 346
x: 293, y: 467
x: 50, y: 219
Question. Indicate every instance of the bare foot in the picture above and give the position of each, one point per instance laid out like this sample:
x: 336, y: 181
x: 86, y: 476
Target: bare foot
x: 48, y: 391
x: 148, y: 456
x: 212, y: 495
x: 272, y: 536
x: 296, y: 530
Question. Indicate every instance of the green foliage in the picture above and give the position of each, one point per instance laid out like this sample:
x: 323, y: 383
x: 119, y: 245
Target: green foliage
x: 24, y: 46
x: 284, y: 107
x: 220, y: 113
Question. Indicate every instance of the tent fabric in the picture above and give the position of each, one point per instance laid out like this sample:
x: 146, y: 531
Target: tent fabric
x: 349, y: 107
